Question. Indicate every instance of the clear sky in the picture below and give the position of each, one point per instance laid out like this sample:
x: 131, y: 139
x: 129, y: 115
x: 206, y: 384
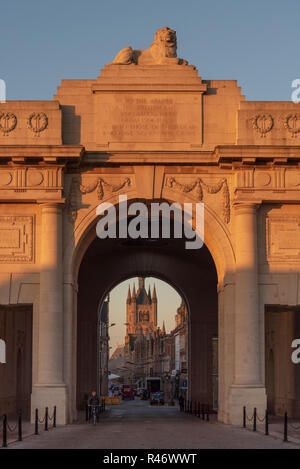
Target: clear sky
x: 168, y: 301
x: 255, y: 42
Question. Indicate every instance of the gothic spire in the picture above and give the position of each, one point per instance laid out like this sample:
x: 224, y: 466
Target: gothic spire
x: 133, y: 293
x: 129, y: 295
x: 154, y: 298
x: 141, y: 283
x: 149, y: 294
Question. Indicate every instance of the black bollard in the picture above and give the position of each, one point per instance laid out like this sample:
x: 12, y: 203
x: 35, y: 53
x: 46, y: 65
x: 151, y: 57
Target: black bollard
x: 20, y: 425
x: 254, y: 420
x: 267, y: 423
x: 198, y: 414
x: 244, y: 416
x: 36, y: 430
x: 207, y: 414
x: 285, y: 429
x: 54, y: 416
x: 203, y: 413
x: 46, y: 419
x: 4, y: 431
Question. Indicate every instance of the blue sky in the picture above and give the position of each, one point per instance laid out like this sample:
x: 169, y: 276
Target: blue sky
x: 254, y: 42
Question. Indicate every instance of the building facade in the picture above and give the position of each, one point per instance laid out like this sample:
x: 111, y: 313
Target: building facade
x: 150, y: 352
x: 142, y: 334
x: 149, y: 127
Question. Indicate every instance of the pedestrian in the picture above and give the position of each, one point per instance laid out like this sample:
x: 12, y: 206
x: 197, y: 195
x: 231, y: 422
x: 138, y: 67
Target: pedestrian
x: 94, y: 400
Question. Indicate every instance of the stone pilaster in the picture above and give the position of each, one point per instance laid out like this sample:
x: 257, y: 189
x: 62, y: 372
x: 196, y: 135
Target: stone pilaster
x: 50, y: 389
x: 248, y: 388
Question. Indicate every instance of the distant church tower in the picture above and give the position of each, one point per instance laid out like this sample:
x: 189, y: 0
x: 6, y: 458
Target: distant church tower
x: 141, y: 310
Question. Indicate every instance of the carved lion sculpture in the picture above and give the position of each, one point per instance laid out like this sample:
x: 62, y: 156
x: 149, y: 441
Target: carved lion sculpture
x: 161, y: 52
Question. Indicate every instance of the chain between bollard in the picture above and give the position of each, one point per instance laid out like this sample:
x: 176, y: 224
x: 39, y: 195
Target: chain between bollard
x: 293, y: 427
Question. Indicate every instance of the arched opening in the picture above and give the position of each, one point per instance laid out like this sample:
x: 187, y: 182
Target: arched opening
x: 143, y: 344
x: 192, y: 273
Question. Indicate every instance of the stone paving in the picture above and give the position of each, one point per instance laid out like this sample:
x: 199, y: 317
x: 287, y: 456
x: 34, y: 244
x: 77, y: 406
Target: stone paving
x: 135, y: 424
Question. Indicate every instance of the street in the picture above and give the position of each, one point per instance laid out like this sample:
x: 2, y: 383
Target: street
x: 136, y: 424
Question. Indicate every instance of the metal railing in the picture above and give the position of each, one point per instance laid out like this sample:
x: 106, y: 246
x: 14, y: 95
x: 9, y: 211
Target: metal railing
x: 197, y: 409
x: 18, y: 426
x: 255, y: 419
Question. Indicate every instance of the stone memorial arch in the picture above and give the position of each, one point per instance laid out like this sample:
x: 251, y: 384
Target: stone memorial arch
x: 151, y: 128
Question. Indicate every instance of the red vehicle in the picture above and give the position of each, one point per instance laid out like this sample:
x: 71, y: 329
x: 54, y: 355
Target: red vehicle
x: 127, y: 392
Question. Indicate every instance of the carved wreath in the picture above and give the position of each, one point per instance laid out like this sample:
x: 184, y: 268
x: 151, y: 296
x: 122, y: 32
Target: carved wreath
x: 8, y: 122
x: 198, y: 186
x: 37, y: 122
x: 291, y: 123
x: 262, y: 123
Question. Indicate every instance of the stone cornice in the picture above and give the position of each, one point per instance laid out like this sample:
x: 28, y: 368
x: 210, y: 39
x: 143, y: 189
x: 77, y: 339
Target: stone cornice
x: 150, y: 157
x: 251, y: 154
x: 222, y: 155
x: 37, y: 153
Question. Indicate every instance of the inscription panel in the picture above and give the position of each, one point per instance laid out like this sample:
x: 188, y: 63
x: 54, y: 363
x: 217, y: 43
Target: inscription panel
x: 149, y: 118
x: 283, y: 238
x: 16, y: 239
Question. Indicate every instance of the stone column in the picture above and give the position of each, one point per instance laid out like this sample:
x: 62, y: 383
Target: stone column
x: 50, y: 389
x: 248, y: 388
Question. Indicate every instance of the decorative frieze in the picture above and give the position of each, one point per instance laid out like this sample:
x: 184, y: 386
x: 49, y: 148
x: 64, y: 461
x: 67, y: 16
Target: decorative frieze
x: 197, y: 186
x: 263, y: 124
x: 24, y: 178
x: 16, y: 239
x: 101, y: 185
x: 37, y: 122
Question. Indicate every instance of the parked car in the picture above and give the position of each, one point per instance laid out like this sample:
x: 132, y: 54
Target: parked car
x: 127, y: 393
x: 157, y: 398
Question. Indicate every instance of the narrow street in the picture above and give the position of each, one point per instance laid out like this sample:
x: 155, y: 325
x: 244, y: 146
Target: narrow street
x: 136, y: 424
